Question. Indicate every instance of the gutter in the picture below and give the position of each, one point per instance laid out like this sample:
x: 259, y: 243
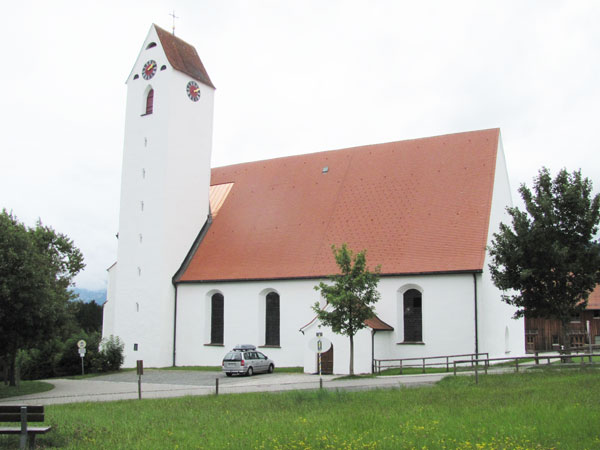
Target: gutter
x: 476, y: 315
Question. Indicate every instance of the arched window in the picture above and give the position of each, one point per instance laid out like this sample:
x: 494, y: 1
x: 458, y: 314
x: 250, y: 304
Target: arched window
x: 216, y: 319
x: 272, y: 319
x: 150, y: 101
x: 413, y: 317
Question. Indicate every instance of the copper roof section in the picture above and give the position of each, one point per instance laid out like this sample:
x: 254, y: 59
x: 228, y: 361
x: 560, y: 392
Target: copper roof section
x: 183, y: 56
x: 218, y: 194
x: 417, y: 206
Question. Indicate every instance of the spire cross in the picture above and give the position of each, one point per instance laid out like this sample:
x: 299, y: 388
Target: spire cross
x: 174, y: 17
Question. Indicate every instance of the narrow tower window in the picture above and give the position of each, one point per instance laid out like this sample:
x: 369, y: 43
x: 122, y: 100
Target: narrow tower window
x: 150, y: 101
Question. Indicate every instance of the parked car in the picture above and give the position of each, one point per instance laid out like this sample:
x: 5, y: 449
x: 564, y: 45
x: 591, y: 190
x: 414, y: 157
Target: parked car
x: 245, y: 360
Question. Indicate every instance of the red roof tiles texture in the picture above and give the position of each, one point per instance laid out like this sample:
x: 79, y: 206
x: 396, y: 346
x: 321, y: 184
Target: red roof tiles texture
x: 183, y: 56
x: 416, y: 206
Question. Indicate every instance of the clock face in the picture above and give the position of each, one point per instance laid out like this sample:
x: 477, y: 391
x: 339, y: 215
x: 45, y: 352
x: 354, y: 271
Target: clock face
x: 149, y: 69
x: 193, y: 91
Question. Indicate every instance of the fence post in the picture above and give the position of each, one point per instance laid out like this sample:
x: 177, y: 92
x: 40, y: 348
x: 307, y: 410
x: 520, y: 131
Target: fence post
x: 454, y: 368
x: 447, y: 365
x: 471, y: 359
x: 476, y: 372
x: 423, y: 365
x: 537, y: 361
x: 486, y: 364
x: 400, y: 367
x: 516, y: 364
x: 216, y: 386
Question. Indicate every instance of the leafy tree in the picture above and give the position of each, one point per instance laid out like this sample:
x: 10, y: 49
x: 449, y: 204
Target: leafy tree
x: 548, y: 259
x: 87, y: 316
x: 351, y: 296
x: 37, y: 265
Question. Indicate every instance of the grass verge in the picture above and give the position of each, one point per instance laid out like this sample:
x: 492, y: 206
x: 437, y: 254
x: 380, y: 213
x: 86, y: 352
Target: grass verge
x: 539, y: 410
x: 24, y: 388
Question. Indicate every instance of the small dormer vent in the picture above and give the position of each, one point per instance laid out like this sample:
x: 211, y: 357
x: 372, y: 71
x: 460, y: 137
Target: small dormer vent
x: 325, y: 169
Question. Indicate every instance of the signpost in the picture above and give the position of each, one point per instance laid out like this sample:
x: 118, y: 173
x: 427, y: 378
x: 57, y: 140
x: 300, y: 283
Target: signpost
x: 81, y: 346
x: 140, y: 372
x: 319, y: 345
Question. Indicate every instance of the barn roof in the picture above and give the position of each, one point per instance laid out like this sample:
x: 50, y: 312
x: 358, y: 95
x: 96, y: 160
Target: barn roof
x: 594, y: 299
x: 183, y: 56
x: 416, y: 206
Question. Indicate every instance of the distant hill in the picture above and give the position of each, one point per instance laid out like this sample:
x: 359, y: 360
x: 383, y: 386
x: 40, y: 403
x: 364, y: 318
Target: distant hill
x: 87, y: 296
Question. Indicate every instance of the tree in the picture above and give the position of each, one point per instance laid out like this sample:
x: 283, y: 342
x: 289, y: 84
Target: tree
x: 351, y: 296
x: 548, y: 259
x: 37, y: 265
x: 87, y: 316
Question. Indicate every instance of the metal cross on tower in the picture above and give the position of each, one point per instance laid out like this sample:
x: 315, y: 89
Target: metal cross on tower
x: 174, y: 17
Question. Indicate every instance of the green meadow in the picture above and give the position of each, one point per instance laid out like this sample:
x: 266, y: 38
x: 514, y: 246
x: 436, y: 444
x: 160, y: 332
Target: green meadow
x: 552, y: 409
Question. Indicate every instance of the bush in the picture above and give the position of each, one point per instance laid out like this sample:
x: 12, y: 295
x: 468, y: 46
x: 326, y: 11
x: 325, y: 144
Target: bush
x: 110, y: 356
x: 69, y: 361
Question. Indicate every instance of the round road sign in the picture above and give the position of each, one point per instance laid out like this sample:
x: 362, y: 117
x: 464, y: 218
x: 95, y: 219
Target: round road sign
x: 319, y: 344
x: 81, y: 344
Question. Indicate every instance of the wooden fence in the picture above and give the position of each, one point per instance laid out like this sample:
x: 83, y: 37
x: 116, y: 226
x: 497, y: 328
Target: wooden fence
x: 429, y: 361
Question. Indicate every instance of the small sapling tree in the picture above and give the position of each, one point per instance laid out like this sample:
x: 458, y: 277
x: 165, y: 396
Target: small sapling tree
x: 548, y: 260
x: 351, y: 296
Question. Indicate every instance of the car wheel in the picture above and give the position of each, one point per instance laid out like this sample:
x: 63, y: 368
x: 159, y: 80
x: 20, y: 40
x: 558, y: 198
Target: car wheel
x: 228, y: 374
x: 271, y: 368
x: 250, y: 371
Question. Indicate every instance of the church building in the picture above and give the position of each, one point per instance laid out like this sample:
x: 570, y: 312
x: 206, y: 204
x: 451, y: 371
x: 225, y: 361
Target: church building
x: 209, y: 258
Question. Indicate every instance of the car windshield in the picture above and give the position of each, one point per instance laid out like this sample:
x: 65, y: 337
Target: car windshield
x: 233, y: 356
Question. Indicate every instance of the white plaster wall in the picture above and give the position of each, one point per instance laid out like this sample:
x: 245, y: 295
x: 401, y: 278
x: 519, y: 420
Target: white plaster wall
x: 448, y: 321
x: 495, y: 316
x: 166, y: 165
x: 243, y: 320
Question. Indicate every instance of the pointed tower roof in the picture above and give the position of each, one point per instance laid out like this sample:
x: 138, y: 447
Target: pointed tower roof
x: 183, y: 56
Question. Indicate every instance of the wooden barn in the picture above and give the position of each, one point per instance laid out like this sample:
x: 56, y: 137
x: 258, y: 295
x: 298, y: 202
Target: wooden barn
x: 544, y: 334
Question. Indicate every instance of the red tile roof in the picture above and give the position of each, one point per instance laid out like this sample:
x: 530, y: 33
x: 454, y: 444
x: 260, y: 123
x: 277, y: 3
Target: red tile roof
x: 183, y: 56
x: 417, y: 206
x: 378, y: 325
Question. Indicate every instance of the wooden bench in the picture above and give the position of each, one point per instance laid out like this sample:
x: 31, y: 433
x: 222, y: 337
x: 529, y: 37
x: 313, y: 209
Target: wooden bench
x: 23, y: 414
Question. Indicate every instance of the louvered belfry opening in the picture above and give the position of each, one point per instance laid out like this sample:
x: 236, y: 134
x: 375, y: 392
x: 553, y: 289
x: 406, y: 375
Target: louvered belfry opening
x: 272, y: 319
x: 216, y: 319
x: 150, y: 102
x: 413, y: 323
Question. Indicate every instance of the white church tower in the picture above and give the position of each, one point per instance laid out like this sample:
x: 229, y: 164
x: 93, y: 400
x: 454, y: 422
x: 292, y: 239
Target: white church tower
x: 164, y: 193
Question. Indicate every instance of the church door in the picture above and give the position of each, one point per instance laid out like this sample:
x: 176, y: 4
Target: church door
x: 327, y: 362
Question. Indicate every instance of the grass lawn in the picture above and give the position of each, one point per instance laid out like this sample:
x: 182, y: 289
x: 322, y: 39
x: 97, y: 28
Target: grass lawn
x: 24, y: 388
x: 539, y: 410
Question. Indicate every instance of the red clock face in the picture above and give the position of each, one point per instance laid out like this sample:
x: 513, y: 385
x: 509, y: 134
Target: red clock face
x: 193, y: 91
x: 149, y: 69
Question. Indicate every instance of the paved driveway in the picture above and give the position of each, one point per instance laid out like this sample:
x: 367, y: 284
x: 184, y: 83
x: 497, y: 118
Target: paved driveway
x: 177, y: 383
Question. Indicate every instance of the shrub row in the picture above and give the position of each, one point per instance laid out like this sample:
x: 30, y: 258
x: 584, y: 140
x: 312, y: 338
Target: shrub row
x: 58, y: 358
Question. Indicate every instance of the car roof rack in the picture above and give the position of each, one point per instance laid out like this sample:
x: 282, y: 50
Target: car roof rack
x: 244, y: 347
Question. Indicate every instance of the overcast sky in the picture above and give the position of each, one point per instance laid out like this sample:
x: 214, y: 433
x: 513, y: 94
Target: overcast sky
x: 291, y: 78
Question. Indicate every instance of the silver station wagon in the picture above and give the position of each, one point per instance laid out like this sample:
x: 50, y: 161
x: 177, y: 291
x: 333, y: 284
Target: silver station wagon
x: 245, y: 360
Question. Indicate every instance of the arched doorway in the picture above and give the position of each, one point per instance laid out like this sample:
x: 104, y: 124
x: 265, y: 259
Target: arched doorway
x: 327, y: 362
